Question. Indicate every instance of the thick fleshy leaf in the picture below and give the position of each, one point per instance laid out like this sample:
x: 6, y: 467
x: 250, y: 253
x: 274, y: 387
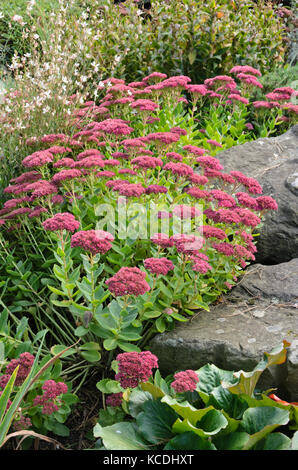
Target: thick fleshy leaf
x: 211, y: 377
x: 120, y: 436
x: 109, y: 386
x: 294, y: 445
x: 233, y: 441
x: 247, y: 381
x: 233, y: 405
x: 185, y: 410
x: 274, y: 441
x: 91, y: 346
x: 153, y: 389
x: 58, y: 348
x: 212, y: 422
x: 156, y: 421
x: 189, y: 441
x: 261, y: 421
x: 137, y: 400
x: 91, y: 356
x: 266, y: 401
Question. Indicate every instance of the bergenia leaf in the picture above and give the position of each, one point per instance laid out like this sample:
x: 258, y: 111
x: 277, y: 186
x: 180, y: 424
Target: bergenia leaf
x: 247, y: 380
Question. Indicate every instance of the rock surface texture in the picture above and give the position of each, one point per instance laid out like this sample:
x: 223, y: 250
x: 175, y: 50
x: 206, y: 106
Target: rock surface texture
x: 254, y: 317
x: 274, y: 163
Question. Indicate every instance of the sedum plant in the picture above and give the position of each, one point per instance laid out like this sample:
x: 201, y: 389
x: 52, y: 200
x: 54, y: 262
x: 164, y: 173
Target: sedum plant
x: 206, y: 409
x: 135, y: 221
x: 33, y: 399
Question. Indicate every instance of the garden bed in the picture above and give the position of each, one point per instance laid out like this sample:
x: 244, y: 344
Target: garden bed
x: 118, y: 221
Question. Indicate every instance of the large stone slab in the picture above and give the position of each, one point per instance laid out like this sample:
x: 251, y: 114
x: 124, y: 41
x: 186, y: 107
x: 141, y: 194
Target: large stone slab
x: 254, y: 317
x: 274, y: 163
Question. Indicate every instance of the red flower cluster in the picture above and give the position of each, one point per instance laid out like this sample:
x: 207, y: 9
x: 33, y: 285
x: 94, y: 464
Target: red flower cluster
x: 209, y: 162
x: 194, y: 149
x: 61, y: 221
x: 158, y: 265
x: 200, y: 263
x: 95, y: 241
x: 185, y: 381
x: 186, y: 212
x: 213, y: 232
x: 48, y: 401
x: 128, y: 281
x: 163, y: 137
x: 113, y: 126
x: 179, y: 169
x: 41, y: 188
x: 144, y: 105
x: 147, y: 162
x: 197, y: 89
x: 89, y: 162
x: 130, y: 189
x: 225, y: 248
x: 38, y: 159
x: 89, y: 153
x: 64, y: 175
x: 24, y: 362
x: 245, y: 69
x: 174, y: 156
x: 156, y: 189
x: 266, y: 203
x: 249, y: 79
x: 135, y: 367
x: 162, y: 240
x: 187, y: 244
x: 114, y: 400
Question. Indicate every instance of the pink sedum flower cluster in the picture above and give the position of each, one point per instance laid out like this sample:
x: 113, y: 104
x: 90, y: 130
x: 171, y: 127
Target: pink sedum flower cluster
x: 24, y: 362
x: 128, y: 281
x: 61, y: 221
x: 135, y: 367
x: 158, y: 265
x: 94, y: 241
x: 49, y: 399
x: 185, y: 381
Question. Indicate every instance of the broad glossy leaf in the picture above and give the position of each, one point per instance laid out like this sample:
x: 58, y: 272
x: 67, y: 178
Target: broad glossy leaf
x: 120, y: 436
x: 136, y: 402
x: 246, y: 381
x: 211, y: 377
x: 153, y: 389
x: 233, y: 405
x: 261, y: 421
x: 156, y: 421
x: 274, y: 441
x: 212, y: 422
x: 294, y: 445
x: 185, y: 410
x: 233, y: 441
x: 189, y: 441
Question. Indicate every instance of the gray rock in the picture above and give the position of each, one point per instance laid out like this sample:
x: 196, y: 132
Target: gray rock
x: 274, y: 163
x: 254, y: 317
x: 279, y: 281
